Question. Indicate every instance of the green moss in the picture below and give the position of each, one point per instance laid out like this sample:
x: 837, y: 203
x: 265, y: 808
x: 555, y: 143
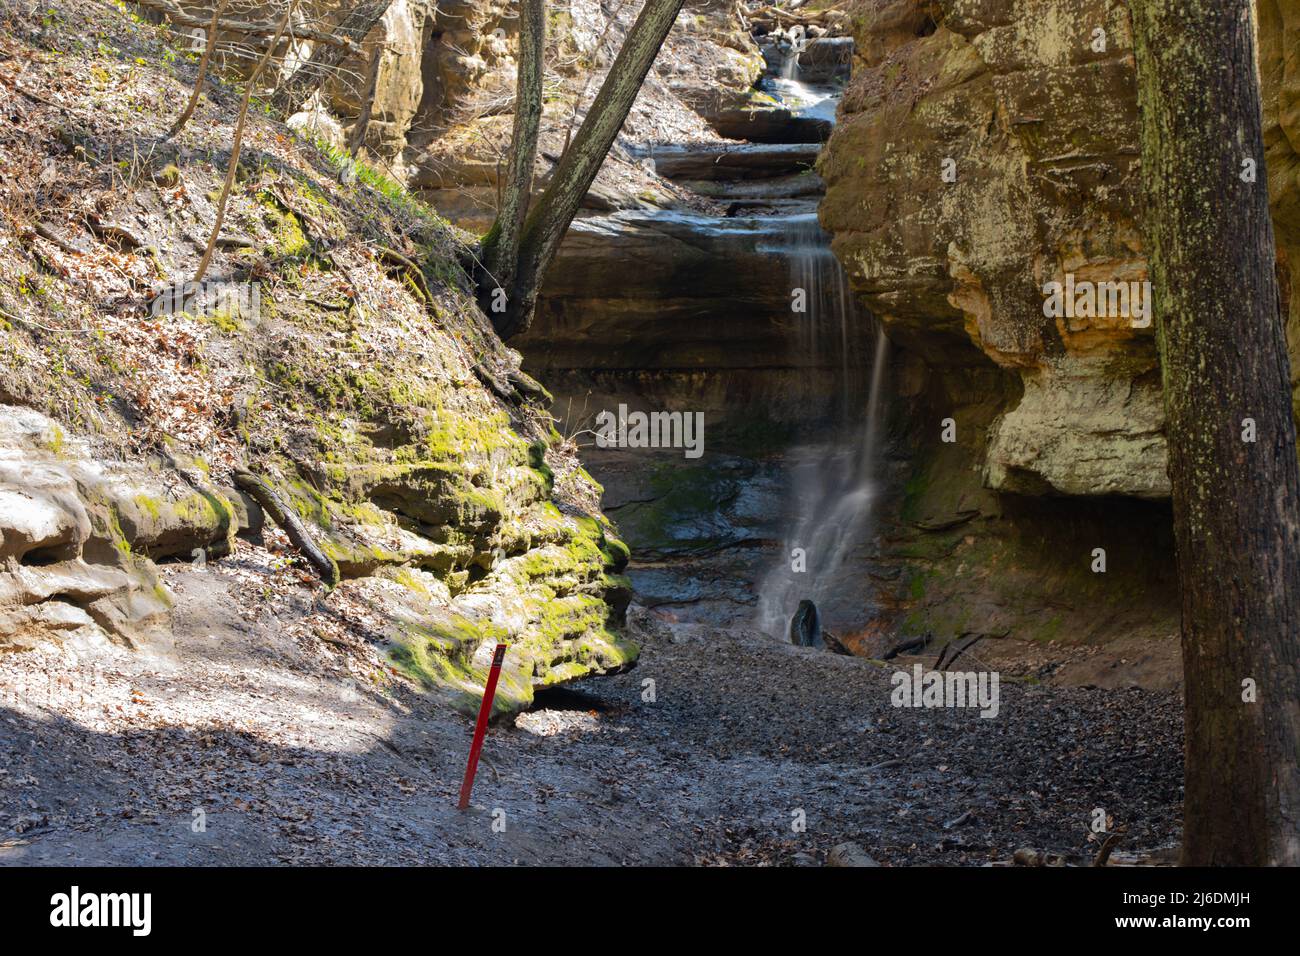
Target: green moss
x: 225, y: 320
x: 1049, y: 631
x: 436, y: 656
x: 54, y: 441
x: 152, y: 506
x: 537, y: 461
x: 287, y: 232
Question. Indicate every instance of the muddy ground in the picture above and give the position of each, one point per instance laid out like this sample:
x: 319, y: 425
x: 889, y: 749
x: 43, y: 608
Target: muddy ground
x: 275, y: 717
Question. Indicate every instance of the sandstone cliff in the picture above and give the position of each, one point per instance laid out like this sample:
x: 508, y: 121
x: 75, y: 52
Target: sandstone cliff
x: 1030, y: 106
x: 442, y: 111
x: 349, y: 365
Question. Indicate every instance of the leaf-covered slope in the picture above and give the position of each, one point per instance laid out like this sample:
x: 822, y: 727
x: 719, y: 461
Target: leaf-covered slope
x: 345, y: 361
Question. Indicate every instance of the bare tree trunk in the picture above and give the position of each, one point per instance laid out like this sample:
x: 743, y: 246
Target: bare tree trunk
x: 550, y: 218
x: 324, y: 58
x: 210, y: 40
x: 237, y: 144
x: 1226, y: 381
x: 358, y: 137
x: 501, y: 245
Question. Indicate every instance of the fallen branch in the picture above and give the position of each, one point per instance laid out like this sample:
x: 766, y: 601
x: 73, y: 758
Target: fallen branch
x: 287, y: 519
x: 955, y: 649
x: 394, y: 258
x: 958, y: 821
x: 771, y: 17
x: 115, y: 232
x: 886, y: 764
x: 911, y: 644
x: 49, y: 235
x: 182, y: 19
x: 1106, y: 849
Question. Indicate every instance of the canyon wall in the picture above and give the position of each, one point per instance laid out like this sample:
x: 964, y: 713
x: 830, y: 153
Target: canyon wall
x: 984, y: 148
x: 1029, y: 107
x: 441, y: 115
x: 347, y: 364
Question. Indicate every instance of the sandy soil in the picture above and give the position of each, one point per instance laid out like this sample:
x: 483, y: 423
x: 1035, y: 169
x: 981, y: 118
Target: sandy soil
x: 274, y: 716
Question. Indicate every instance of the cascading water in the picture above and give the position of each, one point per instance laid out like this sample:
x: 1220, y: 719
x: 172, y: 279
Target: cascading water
x: 833, y: 490
x: 823, y: 333
x: 790, y: 62
x: 832, y: 483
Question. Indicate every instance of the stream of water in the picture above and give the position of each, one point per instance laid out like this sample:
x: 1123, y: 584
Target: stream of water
x: 831, y: 481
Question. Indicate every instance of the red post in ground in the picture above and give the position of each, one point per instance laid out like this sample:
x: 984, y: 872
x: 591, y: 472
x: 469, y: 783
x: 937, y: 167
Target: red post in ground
x: 484, y: 712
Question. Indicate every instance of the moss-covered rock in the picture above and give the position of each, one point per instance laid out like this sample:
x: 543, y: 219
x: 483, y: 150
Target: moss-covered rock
x: 352, y: 382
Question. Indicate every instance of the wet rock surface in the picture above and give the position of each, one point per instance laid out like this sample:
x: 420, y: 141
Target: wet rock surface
x: 694, y: 307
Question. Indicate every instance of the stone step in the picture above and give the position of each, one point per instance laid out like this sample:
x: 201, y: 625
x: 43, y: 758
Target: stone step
x: 804, y: 185
x: 728, y: 161
x: 773, y: 124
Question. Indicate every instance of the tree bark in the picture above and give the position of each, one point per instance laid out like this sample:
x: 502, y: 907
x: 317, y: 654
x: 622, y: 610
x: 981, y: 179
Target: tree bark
x: 210, y: 40
x: 1236, y: 502
x: 550, y: 218
x: 501, y: 246
x: 237, y: 143
x: 310, y: 74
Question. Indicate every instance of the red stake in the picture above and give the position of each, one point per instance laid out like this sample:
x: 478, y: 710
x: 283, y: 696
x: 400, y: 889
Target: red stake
x: 480, y: 729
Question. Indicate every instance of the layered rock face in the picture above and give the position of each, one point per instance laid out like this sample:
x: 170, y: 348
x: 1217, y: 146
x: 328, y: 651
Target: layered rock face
x: 340, y: 355
x: 987, y: 148
x: 729, y: 306
x: 977, y: 160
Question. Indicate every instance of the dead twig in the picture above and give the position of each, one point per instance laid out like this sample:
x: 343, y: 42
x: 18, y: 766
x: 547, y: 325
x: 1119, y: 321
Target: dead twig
x: 237, y: 144
x: 248, y: 29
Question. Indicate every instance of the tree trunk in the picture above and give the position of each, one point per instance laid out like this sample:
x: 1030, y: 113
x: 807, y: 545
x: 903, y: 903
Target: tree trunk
x: 550, y: 218
x: 323, y: 59
x: 209, y: 41
x: 358, y: 138
x: 1236, y: 502
x: 501, y: 246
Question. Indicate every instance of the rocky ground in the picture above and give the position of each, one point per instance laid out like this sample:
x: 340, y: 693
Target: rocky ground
x: 274, y: 723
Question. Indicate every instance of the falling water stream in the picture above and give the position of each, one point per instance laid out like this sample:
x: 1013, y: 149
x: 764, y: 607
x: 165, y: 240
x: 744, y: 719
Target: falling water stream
x: 832, y: 486
x: 832, y: 481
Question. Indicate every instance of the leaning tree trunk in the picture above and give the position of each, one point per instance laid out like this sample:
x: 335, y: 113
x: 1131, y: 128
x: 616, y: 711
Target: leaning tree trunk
x: 501, y: 245
x: 1236, y: 501
x: 550, y: 218
x: 324, y: 59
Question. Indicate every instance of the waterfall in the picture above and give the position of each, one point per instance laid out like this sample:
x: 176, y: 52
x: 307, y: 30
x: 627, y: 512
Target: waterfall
x: 832, y: 483
x: 790, y: 58
x: 822, y: 337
